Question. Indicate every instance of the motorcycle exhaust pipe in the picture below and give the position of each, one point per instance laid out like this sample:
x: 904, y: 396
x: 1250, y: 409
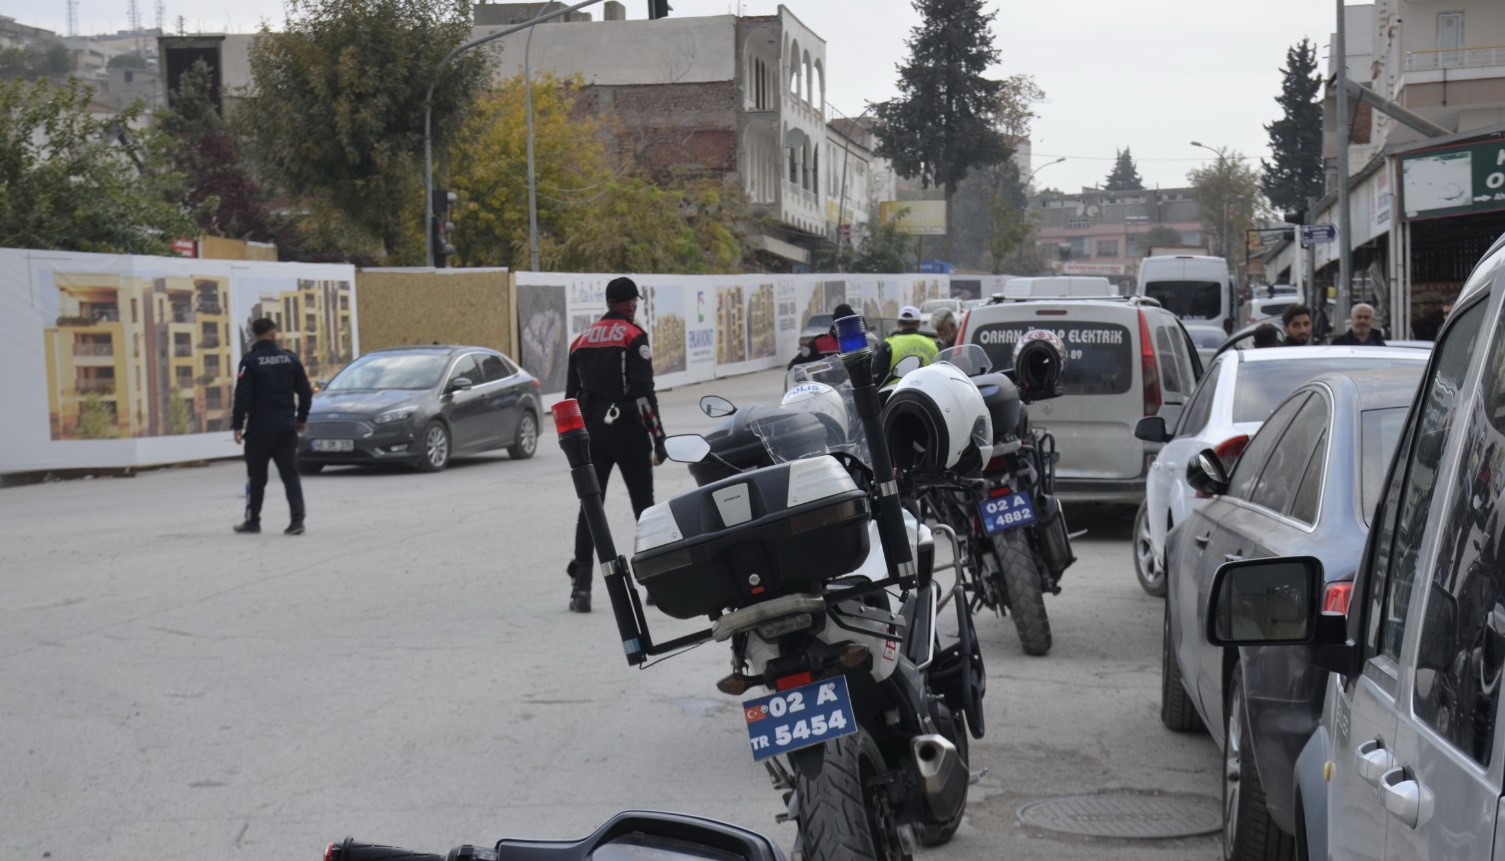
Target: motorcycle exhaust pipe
x: 943, y: 775
x: 1055, y: 543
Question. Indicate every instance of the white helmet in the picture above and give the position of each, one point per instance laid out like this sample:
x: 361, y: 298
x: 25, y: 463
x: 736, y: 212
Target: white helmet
x: 936, y: 420
x: 824, y: 402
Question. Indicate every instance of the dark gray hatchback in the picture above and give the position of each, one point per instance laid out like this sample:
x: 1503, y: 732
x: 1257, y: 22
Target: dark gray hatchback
x: 421, y: 406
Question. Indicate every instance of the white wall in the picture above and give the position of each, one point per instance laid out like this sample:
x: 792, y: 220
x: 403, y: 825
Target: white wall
x: 666, y: 51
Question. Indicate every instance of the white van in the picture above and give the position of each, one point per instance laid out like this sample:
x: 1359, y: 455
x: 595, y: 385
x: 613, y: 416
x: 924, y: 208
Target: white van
x: 1057, y: 287
x: 1193, y: 287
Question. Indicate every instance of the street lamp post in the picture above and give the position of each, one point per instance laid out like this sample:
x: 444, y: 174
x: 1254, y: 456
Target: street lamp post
x: 428, y: 112
x: 1029, y: 178
x: 1222, y: 168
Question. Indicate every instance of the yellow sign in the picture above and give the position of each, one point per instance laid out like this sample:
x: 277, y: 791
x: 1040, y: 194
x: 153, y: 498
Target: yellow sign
x: 915, y: 217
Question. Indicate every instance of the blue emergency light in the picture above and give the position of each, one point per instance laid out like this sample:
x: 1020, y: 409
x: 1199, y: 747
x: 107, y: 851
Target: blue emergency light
x: 851, y: 333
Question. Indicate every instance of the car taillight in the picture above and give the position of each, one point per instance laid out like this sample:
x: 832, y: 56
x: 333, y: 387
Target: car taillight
x: 1335, y: 598
x: 1150, y: 370
x: 1228, y: 450
x: 996, y: 464
x: 961, y: 331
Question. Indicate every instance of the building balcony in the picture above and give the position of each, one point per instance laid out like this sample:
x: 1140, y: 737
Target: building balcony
x: 183, y: 351
x: 1457, y: 58
x: 210, y: 308
x: 76, y: 320
x: 88, y: 349
x: 94, y: 387
x: 209, y: 344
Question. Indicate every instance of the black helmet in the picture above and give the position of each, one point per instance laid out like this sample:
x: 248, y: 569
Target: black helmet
x: 1039, y: 361
x: 621, y: 290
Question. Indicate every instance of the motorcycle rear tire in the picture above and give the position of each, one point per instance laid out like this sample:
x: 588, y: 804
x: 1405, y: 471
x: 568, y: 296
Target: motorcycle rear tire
x: 1021, y: 579
x: 842, y: 816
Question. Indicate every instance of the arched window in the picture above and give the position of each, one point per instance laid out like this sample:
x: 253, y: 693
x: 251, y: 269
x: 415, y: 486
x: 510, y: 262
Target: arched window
x: 805, y: 65
x: 815, y: 171
x: 794, y: 68
x: 820, y: 87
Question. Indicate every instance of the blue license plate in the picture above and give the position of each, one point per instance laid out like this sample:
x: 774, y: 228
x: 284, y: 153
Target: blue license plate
x: 799, y: 717
x: 1003, y: 513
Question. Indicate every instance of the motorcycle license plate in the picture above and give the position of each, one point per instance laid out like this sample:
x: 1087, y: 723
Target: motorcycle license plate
x: 799, y: 717
x: 334, y: 445
x: 1003, y: 513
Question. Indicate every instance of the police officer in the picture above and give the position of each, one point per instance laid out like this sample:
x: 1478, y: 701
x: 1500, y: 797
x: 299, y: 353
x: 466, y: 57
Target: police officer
x: 266, y: 420
x: 611, y: 375
x: 902, y: 344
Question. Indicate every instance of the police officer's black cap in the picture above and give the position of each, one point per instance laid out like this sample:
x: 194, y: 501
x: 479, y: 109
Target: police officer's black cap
x: 842, y: 310
x: 621, y: 290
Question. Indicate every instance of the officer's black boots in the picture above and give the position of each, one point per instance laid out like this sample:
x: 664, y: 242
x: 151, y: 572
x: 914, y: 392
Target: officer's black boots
x: 294, y: 528
x: 580, y: 602
x: 249, y: 526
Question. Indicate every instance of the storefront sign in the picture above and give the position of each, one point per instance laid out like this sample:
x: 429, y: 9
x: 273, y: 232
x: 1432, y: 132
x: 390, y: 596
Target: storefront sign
x: 1454, y: 181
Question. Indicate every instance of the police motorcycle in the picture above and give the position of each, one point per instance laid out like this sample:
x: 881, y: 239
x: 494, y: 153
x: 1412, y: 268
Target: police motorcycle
x: 629, y: 836
x: 797, y: 549
x: 1013, y: 544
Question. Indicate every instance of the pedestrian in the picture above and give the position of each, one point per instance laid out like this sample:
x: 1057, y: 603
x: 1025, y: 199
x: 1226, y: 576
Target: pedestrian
x: 611, y: 375
x: 944, y: 324
x: 906, y: 342
x: 1298, y: 325
x: 823, y: 345
x: 1361, y: 331
x: 266, y: 420
x: 1266, y: 335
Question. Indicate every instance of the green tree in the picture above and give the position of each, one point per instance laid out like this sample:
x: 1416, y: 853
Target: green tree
x: 202, y: 149
x: 1125, y: 175
x: 95, y: 419
x: 179, y: 416
x: 884, y: 249
x: 1229, y: 193
x: 1295, y: 172
x: 981, y: 207
x: 637, y: 225
x: 337, y: 108
x: 127, y: 61
x: 73, y: 181
x: 941, y: 125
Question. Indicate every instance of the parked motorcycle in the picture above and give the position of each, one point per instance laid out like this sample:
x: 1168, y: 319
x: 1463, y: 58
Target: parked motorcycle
x: 791, y: 547
x: 1013, y: 544
x: 631, y: 835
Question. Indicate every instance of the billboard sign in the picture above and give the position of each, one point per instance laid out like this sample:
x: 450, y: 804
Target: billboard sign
x: 915, y: 217
x: 1454, y: 181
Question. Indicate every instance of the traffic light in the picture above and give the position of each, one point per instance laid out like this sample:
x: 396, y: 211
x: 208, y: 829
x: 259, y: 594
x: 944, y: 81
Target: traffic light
x: 442, y: 228
x: 658, y: 8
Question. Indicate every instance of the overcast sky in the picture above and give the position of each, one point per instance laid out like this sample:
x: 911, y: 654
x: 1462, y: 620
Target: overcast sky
x: 1152, y: 75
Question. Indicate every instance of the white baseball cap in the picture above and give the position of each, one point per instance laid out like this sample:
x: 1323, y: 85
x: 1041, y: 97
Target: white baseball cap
x: 909, y: 312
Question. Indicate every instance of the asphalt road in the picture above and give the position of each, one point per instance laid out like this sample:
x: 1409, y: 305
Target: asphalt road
x: 407, y: 672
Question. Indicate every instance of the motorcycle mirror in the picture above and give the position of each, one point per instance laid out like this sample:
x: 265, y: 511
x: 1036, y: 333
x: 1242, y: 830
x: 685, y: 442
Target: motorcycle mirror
x: 907, y: 364
x: 687, y: 448
x: 716, y: 407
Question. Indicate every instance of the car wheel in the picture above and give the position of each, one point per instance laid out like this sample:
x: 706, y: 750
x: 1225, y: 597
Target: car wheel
x: 1176, y: 709
x: 1148, y: 568
x: 526, y: 441
x: 310, y: 468
x: 1248, y: 832
x: 434, y: 454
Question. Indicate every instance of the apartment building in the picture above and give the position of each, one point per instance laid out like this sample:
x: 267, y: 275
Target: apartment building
x: 1101, y: 232
x: 133, y: 357
x: 741, y: 97
x: 313, y: 322
x: 1424, y: 203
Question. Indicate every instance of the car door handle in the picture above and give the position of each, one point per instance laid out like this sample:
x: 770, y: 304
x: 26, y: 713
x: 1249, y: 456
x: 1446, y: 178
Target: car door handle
x: 1203, y: 539
x: 1232, y: 557
x: 1373, y: 760
x: 1405, y: 798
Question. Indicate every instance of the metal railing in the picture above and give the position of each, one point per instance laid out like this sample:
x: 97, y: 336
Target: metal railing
x: 1455, y: 58
x: 94, y: 387
x: 94, y: 349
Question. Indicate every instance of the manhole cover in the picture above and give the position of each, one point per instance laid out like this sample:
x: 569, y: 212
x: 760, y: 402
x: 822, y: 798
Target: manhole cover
x: 1138, y: 815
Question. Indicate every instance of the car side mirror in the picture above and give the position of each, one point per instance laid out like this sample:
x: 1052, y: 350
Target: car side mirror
x: 1265, y: 602
x: 1152, y: 429
x: 1205, y: 473
x: 320, y: 385
x: 687, y: 448
x: 716, y: 407
x: 460, y: 384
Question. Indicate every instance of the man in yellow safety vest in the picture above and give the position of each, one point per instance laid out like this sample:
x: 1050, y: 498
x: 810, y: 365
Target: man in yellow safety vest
x: 904, y: 343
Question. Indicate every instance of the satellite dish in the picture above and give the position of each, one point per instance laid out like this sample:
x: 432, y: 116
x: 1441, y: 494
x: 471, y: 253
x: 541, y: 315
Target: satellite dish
x: 1081, y: 208
x: 1092, y: 210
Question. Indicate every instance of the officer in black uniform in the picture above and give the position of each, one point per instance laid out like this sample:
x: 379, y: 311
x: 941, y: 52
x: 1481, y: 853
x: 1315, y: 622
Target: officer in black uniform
x: 268, y: 379
x: 611, y: 375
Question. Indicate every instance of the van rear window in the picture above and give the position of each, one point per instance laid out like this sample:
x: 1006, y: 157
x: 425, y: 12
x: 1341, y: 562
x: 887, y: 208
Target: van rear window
x: 1194, y: 300
x: 1099, y: 360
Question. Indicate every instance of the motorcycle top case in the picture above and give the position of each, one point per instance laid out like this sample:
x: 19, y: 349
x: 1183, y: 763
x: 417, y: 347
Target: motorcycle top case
x: 757, y: 535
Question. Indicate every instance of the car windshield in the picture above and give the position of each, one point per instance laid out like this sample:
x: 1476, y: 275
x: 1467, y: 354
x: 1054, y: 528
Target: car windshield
x: 1261, y: 386
x: 1378, y: 431
x: 390, y: 371
x: 1197, y: 300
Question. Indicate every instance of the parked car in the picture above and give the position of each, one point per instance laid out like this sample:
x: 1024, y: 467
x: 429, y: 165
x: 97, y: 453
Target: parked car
x: 1306, y: 485
x: 1239, y: 390
x: 1127, y: 358
x: 1407, y: 761
x: 421, y: 406
x: 1207, y: 338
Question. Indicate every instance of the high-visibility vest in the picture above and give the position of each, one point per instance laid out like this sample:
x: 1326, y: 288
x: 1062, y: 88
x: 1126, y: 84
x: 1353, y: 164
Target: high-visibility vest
x: 905, y: 344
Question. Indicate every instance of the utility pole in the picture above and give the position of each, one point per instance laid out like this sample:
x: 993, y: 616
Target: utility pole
x: 1345, y: 259
x: 72, y: 17
x: 528, y: 108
